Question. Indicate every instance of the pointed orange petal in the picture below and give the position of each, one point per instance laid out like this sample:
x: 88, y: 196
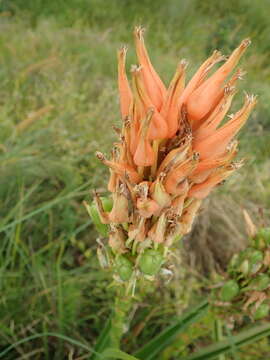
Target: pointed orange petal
x: 216, y: 143
x: 112, y: 181
x: 121, y: 169
x: 119, y: 212
x: 123, y: 85
x: 158, y: 127
x: 134, y: 129
x: 189, y: 215
x: 206, y: 167
x: 209, y: 126
x: 205, y: 97
x: 147, y: 207
x: 175, y: 156
x: 157, y: 232
x: 200, y: 75
x: 174, y: 179
x: 154, y: 86
x: 200, y: 191
x: 178, y: 203
x: 170, y: 109
x: 144, y: 154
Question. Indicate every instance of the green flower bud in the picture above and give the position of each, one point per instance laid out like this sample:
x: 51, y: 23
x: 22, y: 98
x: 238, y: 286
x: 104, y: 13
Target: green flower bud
x: 93, y: 212
x: 260, y: 282
x: 261, y: 312
x: 229, y: 291
x: 251, y: 261
x: 124, y: 267
x: 244, y: 267
x: 255, y: 257
x: 262, y: 237
x: 256, y: 260
x: 150, y: 262
x: 234, y: 261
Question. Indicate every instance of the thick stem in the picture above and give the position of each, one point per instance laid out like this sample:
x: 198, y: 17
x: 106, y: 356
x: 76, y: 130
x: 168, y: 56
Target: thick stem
x: 121, y: 309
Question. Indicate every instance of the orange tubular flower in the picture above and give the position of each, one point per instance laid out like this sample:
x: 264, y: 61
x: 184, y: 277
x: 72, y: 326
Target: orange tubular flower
x: 205, y: 97
x: 174, y: 149
x: 151, y: 80
x: 123, y: 85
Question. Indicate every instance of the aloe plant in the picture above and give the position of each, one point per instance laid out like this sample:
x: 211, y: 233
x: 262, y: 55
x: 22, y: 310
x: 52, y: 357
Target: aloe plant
x: 171, y: 153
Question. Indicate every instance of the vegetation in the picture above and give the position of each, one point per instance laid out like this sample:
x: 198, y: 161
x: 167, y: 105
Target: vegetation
x: 58, y: 102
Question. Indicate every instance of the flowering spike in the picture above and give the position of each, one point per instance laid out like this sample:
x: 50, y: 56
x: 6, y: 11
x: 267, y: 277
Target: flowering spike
x: 171, y: 153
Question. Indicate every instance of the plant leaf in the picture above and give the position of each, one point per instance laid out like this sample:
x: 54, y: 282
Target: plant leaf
x: 117, y: 354
x: 103, y: 340
x: 243, y: 338
x: 45, y: 334
x: 161, y: 341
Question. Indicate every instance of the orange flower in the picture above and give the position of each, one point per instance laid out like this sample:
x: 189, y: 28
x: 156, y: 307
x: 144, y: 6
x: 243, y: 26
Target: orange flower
x: 173, y: 150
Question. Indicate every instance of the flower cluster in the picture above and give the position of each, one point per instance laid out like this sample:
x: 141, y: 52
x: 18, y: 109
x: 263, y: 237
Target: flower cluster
x: 173, y: 149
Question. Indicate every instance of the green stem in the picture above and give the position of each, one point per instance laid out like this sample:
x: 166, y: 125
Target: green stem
x: 122, y: 307
x: 218, y: 335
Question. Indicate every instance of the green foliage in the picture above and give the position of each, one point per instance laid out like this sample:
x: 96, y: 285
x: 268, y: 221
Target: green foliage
x: 243, y: 338
x: 162, y: 340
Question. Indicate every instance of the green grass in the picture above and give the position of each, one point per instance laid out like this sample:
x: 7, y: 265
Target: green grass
x: 61, y: 55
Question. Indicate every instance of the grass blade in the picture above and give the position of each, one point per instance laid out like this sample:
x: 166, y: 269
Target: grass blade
x: 59, y: 336
x: 244, y: 338
x: 103, y: 339
x: 159, y: 343
x: 117, y: 354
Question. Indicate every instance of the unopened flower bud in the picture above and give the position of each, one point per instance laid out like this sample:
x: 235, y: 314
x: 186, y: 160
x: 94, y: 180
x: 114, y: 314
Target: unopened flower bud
x: 256, y: 259
x: 260, y: 282
x: 94, y: 214
x: 244, y: 267
x: 233, y: 263
x: 262, y: 238
x: 124, y: 267
x: 252, y: 261
x: 150, y: 262
x: 261, y: 312
x: 229, y: 291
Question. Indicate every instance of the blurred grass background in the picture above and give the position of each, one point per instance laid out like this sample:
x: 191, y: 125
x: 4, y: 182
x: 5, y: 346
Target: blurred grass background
x: 58, y: 101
